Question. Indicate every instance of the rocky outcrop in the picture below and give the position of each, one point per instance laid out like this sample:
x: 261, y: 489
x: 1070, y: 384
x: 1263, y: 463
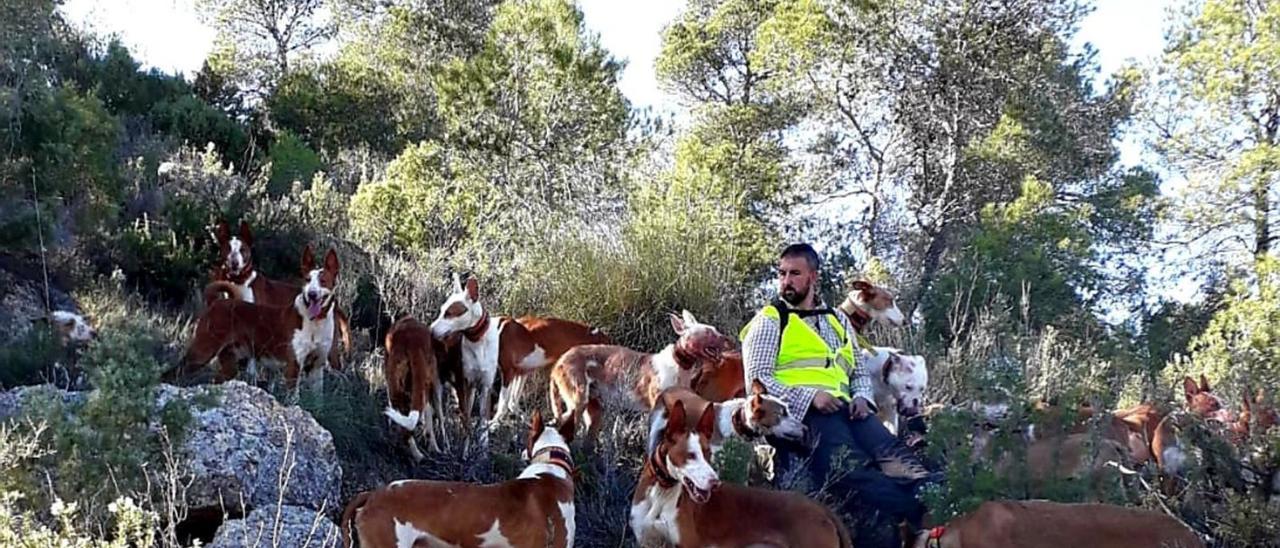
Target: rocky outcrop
x: 244, y: 449
x: 272, y: 526
x: 249, y: 450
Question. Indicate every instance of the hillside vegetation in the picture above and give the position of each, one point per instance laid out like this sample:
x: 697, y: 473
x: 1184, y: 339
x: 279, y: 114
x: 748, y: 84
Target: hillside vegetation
x: 960, y: 153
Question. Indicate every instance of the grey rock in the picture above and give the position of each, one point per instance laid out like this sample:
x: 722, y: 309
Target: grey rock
x: 278, y: 526
x: 246, y: 447
x: 241, y: 447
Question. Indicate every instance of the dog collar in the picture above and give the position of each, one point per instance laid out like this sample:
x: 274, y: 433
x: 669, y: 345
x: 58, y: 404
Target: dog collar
x: 859, y: 318
x: 476, y: 332
x: 555, y: 455
x: 242, y: 278
x: 935, y: 536
x: 740, y: 424
x: 665, y: 480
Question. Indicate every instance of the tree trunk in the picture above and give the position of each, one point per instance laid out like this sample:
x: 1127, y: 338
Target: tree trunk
x: 932, y: 261
x: 1262, y: 222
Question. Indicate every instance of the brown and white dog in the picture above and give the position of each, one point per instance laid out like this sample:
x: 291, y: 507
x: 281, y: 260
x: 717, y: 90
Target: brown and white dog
x: 721, y: 381
x: 534, y: 510
x: 238, y: 268
x: 552, y: 337
x: 1043, y: 524
x: 71, y: 328
x: 749, y: 418
x: 679, y: 498
x: 1256, y: 416
x: 899, y: 383
x: 412, y: 377
x: 516, y: 348
x: 868, y: 302
x: 587, y: 378
x: 299, y: 335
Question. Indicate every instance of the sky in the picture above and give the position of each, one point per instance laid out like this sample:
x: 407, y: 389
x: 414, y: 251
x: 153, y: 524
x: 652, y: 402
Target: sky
x: 167, y: 34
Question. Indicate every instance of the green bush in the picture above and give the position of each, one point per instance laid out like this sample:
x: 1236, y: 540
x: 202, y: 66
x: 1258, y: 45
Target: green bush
x: 1241, y: 346
x: 20, y: 528
x: 106, y: 443
x: 291, y: 160
x: 23, y: 360
x: 419, y: 205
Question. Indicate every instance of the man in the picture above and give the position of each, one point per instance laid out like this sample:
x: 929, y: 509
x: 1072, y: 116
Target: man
x: 803, y: 351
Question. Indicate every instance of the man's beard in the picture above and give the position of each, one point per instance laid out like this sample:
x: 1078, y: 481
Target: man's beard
x: 793, y: 296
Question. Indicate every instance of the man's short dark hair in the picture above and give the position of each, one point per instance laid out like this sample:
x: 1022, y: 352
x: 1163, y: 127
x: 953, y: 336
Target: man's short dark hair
x: 802, y: 250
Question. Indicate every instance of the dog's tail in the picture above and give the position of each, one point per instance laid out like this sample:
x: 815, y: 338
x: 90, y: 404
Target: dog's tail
x: 349, y: 519
x: 215, y: 290
x: 344, y: 329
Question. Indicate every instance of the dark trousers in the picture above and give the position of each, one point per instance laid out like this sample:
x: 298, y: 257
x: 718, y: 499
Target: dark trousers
x: 844, y: 460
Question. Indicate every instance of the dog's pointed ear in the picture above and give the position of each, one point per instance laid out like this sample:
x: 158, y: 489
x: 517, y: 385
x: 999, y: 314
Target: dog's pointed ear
x: 1189, y: 387
x: 246, y: 235
x: 1204, y: 383
x: 308, y: 261
x: 676, y: 419
x: 758, y: 389
x: 677, y: 324
x: 331, y: 261
x: 861, y: 285
x: 457, y: 283
x: 1244, y: 400
x: 473, y: 289
x: 689, y: 320
x: 567, y: 428
x: 222, y: 232
x: 707, y: 422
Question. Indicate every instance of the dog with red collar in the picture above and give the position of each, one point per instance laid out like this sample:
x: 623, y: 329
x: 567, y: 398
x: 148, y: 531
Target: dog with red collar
x: 1043, y: 524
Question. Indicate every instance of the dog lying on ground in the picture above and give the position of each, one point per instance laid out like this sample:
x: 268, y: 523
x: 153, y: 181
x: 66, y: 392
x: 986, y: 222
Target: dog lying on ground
x: 749, y: 418
x: 1042, y: 524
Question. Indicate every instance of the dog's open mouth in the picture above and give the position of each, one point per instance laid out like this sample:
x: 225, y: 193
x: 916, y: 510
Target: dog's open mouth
x: 315, y: 306
x: 699, y: 495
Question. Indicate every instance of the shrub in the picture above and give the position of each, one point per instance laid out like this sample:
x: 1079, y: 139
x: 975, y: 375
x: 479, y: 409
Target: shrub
x: 105, y: 444
x: 1241, y: 346
x: 663, y: 261
x: 19, y: 528
x: 24, y: 359
x: 291, y: 160
x: 419, y: 205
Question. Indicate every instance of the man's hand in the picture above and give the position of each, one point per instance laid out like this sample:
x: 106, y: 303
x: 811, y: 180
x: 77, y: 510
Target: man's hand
x: 825, y: 403
x: 860, y: 408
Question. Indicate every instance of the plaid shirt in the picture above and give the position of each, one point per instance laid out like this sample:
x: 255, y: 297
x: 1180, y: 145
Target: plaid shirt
x: 760, y: 358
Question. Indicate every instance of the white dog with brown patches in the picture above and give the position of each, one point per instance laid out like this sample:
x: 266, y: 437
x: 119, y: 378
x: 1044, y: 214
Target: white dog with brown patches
x: 900, y: 382
x: 750, y: 418
x: 534, y: 510
x: 679, y: 498
x: 588, y: 378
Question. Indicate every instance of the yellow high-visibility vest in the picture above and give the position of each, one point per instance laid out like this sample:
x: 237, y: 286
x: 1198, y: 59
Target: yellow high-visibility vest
x: 804, y: 359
